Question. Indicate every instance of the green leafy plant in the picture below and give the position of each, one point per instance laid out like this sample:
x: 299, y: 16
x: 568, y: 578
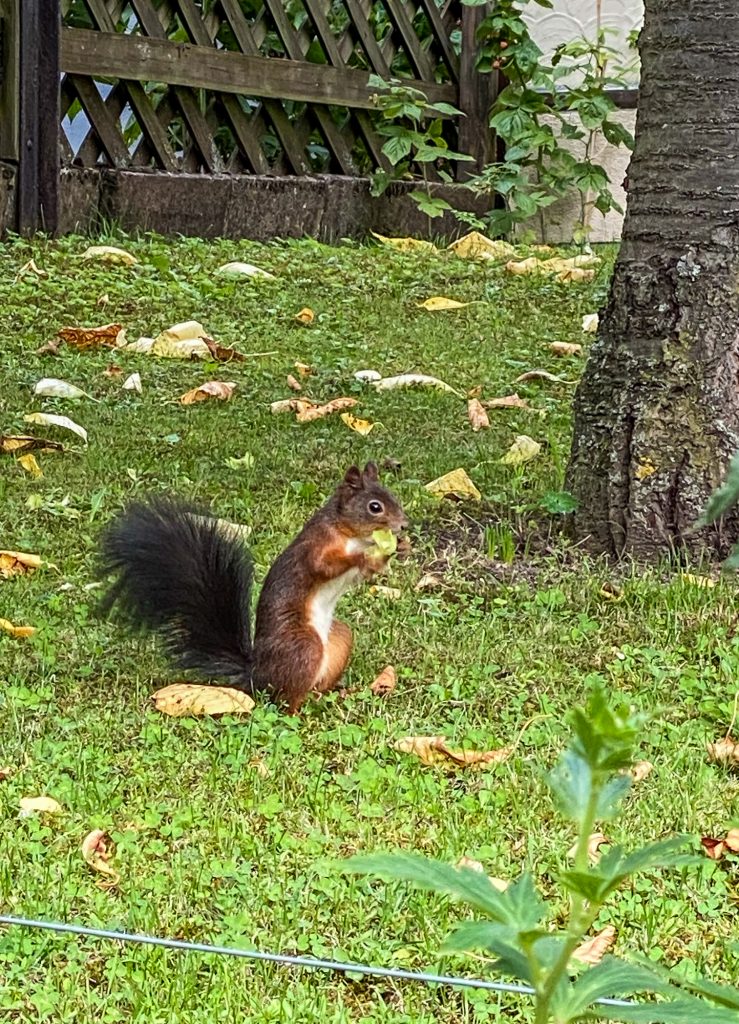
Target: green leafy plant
x: 414, y: 129
x: 543, y: 107
x: 588, y: 784
x: 722, y: 501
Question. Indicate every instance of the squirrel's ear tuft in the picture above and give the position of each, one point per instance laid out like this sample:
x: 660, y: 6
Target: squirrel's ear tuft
x: 353, y: 477
x: 370, y: 472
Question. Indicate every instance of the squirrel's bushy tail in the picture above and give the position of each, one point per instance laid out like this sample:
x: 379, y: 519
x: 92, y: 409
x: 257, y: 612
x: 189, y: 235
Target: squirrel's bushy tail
x: 188, y: 577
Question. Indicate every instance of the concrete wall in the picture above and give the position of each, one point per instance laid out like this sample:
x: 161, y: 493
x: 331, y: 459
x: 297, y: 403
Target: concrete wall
x: 569, y: 19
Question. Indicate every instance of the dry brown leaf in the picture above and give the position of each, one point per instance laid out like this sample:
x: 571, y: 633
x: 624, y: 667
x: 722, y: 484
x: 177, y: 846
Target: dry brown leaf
x: 475, y: 392
x: 84, y: 338
x: 291, y: 405
x: 593, y: 950
x: 103, y: 300
x: 49, y: 348
x: 220, y: 389
x: 611, y: 591
x: 542, y: 375
x: 224, y: 354
x: 97, y: 850
x: 385, y: 682
x: 476, y: 414
x: 19, y: 444
x: 29, y: 464
x: 318, y: 412
x: 713, y: 848
x: 724, y: 751
x: 565, y: 348
x: 5, y: 772
x: 428, y: 582
x: 30, y: 267
x: 304, y: 369
x: 306, y: 316
x: 507, y: 402
x: 31, y: 805
x: 439, y: 302
x: 474, y: 865
x: 293, y: 384
x: 113, y: 370
x: 18, y: 631
x: 434, y: 750
x: 456, y: 484
x: 595, y: 841
x: 362, y: 427
x: 640, y: 770
x: 190, y: 699
x: 731, y: 841
x: 16, y: 563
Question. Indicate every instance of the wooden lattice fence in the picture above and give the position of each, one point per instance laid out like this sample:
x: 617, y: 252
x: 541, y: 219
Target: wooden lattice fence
x: 277, y: 88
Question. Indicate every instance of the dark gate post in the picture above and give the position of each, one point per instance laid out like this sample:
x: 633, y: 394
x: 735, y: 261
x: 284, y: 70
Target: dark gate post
x: 477, y: 94
x: 38, y: 129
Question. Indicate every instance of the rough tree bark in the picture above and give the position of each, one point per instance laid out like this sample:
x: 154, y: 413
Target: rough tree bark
x: 657, y: 411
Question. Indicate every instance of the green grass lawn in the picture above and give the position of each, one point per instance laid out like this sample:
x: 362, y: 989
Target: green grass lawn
x: 229, y: 830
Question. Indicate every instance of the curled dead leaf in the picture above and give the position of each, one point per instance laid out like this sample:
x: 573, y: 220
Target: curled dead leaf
x: 565, y: 348
x: 97, y: 850
x: 476, y: 246
x: 49, y: 348
x: 293, y: 384
x: 6, y: 626
x: 542, y: 375
x: 429, y: 582
x: 112, y: 370
x: 306, y: 316
x: 698, y: 581
x: 455, y: 484
x: 391, y: 593
x: 611, y: 592
x: 236, y: 269
x: 290, y: 405
x: 109, y: 254
x: 476, y: 414
x: 47, y: 419
x: 304, y: 369
x: 51, y: 387
x: 713, y: 848
x: 414, y: 380
x: 19, y: 444
x: 30, y: 805
x: 434, y: 750
x: 439, y: 302
x: 84, y: 338
x: 405, y: 244
x: 523, y: 449
x: 362, y: 427
x: 220, y: 389
x: 731, y: 840
x: 30, y: 267
x: 590, y: 323
x: 180, y: 699
x: 132, y: 383
x: 5, y: 772
x: 318, y: 412
x: 723, y: 751
x: 641, y: 770
x: 593, y: 950
x: 16, y: 563
x: 385, y: 682
x: 506, y: 402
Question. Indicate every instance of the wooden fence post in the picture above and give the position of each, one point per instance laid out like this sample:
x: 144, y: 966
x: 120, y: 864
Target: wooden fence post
x: 477, y: 94
x: 38, y: 106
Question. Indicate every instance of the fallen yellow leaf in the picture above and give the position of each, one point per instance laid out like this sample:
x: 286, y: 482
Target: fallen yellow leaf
x: 565, y: 348
x: 220, y: 389
x: 507, y: 402
x: 290, y: 405
x: 109, y: 254
x: 18, y: 631
x: 97, y: 850
x: 590, y: 323
x: 180, y: 699
x: 31, y: 805
x: 385, y: 682
x: 476, y: 414
x: 18, y: 444
x: 611, y: 591
x: 572, y: 269
x: 306, y: 316
x: 698, y: 581
x: 434, y: 750
x: 523, y: 449
x: 405, y: 244
x: 475, y: 246
x: 362, y: 427
x: 456, y: 484
x: 593, y: 950
x: 391, y: 593
x: 29, y: 464
x: 16, y: 563
x: 186, y: 340
x: 414, y: 380
x: 83, y: 338
x: 439, y: 302
x: 304, y: 369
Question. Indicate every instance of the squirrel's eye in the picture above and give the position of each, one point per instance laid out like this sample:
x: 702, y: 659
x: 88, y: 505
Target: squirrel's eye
x: 375, y: 508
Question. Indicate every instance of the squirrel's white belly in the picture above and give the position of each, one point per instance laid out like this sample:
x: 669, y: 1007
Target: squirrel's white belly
x: 323, y: 602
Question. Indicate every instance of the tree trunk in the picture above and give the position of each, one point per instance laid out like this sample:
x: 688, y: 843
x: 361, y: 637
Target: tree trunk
x: 657, y: 410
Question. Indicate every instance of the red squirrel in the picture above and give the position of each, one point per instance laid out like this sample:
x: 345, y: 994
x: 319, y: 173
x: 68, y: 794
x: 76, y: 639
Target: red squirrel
x: 189, y: 577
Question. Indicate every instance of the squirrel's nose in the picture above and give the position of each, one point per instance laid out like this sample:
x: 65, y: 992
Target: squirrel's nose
x: 403, y: 524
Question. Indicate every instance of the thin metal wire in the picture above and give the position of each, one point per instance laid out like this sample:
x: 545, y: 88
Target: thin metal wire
x: 282, y: 958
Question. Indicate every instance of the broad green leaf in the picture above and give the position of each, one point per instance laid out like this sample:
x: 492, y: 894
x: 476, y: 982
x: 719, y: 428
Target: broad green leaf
x: 682, y: 1011
x: 494, y: 938
x: 471, y: 886
x: 613, y: 978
